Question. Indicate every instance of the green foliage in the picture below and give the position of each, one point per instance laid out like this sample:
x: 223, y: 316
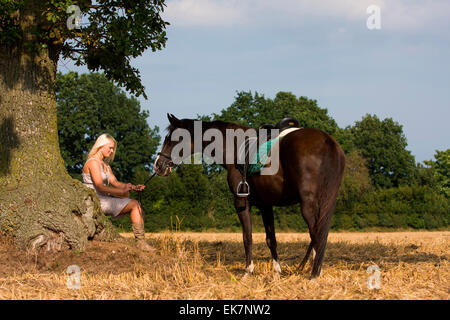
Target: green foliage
x: 423, y: 176
x: 383, y: 143
x: 89, y: 105
x: 441, y: 171
x: 417, y: 207
x: 256, y: 110
x: 356, y: 181
x: 110, y: 34
x: 9, y: 21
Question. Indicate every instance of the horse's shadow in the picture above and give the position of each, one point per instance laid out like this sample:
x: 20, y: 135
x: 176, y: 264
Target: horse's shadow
x: 347, y: 255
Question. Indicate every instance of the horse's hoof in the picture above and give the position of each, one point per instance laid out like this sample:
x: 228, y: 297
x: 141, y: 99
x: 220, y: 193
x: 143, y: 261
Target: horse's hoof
x: 250, y: 268
x: 276, y: 266
x: 316, y: 275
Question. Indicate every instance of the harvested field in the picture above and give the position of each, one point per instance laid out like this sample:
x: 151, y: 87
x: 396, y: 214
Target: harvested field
x: 413, y: 265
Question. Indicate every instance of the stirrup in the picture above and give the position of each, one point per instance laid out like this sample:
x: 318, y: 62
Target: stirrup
x: 242, y: 195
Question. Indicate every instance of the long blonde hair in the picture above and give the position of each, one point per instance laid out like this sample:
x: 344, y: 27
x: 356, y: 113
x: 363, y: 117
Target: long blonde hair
x: 102, y: 140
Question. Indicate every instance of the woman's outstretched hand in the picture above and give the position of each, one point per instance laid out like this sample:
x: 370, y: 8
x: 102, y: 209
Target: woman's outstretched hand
x: 128, y: 187
x: 139, y: 187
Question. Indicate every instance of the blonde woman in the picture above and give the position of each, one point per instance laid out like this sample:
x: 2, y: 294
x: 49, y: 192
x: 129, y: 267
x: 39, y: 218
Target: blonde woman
x: 114, y: 195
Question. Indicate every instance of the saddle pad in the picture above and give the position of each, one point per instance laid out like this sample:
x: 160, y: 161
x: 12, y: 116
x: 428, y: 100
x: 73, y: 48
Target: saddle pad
x: 263, y: 153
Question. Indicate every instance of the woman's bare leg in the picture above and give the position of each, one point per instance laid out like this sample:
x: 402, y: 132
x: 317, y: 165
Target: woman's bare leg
x: 135, y: 211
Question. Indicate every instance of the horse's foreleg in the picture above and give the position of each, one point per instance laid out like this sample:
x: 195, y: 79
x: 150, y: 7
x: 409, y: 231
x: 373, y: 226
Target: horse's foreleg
x: 243, y: 211
x: 267, y: 216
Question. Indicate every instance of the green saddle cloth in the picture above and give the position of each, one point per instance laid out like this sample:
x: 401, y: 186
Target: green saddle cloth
x: 262, y: 156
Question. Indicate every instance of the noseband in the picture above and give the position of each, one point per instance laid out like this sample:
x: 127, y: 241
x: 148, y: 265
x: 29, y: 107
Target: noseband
x: 168, y: 157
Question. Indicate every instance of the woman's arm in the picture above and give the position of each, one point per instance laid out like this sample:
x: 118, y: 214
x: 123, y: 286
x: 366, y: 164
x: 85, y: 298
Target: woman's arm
x: 96, y: 175
x: 113, y: 180
x: 116, y: 183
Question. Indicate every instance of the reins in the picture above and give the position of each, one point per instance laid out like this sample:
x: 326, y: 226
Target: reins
x: 151, y: 177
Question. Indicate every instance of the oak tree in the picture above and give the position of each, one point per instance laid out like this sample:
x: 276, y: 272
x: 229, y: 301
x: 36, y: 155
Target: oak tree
x: 40, y: 204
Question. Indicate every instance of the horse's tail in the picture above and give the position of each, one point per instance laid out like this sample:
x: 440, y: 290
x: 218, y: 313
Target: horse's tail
x: 332, y: 172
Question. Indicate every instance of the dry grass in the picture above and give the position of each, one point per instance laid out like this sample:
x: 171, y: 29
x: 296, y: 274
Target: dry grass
x: 414, y: 265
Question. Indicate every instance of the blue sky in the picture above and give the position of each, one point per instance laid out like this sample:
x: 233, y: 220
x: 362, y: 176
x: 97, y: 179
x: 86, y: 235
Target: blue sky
x: 319, y: 49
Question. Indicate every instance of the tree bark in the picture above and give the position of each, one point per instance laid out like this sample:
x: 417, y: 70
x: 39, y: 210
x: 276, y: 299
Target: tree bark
x: 40, y: 204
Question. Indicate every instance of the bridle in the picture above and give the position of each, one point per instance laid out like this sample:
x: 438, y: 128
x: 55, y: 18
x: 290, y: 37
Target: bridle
x: 168, y: 157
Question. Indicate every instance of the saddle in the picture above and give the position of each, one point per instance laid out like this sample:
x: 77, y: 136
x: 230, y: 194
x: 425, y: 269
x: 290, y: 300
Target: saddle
x: 284, y: 126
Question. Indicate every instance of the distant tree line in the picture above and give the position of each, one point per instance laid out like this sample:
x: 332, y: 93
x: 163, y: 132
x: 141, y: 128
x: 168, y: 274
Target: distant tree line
x: 383, y: 186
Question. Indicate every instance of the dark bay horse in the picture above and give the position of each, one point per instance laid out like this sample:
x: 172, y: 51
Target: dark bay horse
x: 311, y: 166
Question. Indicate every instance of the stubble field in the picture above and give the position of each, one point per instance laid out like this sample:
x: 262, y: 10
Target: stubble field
x: 412, y: 265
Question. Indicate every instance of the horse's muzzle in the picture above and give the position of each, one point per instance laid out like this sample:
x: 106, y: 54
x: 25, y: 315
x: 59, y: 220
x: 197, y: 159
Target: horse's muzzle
x: 163, y: 165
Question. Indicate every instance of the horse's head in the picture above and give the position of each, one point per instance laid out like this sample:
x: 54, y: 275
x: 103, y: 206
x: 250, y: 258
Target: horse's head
x: 164, y: 164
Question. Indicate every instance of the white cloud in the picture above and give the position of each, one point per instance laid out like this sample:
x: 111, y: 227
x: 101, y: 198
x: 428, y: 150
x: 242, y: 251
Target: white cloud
x: 395, y: 14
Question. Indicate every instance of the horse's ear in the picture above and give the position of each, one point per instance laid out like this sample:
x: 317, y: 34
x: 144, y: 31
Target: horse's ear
x: 173, y: 120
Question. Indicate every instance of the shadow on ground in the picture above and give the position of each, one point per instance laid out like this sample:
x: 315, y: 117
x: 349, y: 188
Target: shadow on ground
x: 348, y: 255
x: 123, y: 256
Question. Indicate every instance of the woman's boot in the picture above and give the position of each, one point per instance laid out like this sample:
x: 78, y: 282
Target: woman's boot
x: 139, y: 234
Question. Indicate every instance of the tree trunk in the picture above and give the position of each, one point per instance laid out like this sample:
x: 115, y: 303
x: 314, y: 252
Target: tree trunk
x: 40, y: 204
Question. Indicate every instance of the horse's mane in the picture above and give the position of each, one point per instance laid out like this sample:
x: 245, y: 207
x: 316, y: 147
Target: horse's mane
x: 188, y: 124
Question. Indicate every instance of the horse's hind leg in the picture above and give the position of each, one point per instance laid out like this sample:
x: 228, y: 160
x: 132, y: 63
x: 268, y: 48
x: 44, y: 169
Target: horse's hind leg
x: 320, y: 241
x: 305, y: 259
x: 267, y: 216
x: 308, y: 208
x: 319, y: 221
